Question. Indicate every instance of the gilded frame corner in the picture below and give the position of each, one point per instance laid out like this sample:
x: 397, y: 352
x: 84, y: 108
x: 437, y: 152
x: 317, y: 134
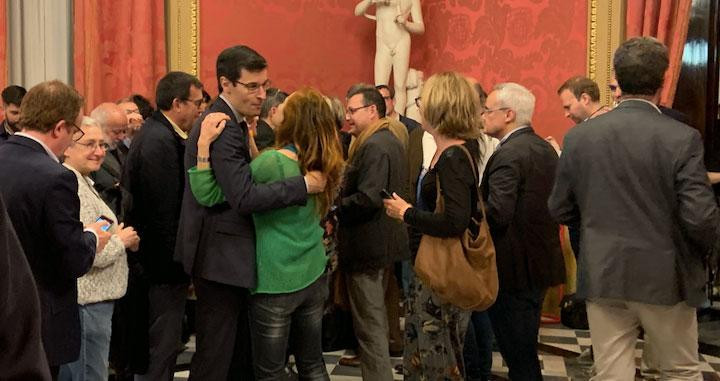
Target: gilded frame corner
x: 183, y: 35
x: 605, y: 32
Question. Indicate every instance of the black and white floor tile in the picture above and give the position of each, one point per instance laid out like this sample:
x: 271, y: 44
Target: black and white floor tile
x: 559, y: 350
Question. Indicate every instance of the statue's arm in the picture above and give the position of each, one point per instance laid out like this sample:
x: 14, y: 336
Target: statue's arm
x: 416, y: 26
x: 362, y: 7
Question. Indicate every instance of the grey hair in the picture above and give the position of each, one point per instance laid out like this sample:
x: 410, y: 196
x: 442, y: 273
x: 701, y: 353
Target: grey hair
x: 88, y: 121
x: 517, y: 98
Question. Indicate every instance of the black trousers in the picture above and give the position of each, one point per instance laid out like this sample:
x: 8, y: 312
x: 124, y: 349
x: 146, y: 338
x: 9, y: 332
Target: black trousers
x: 223, y: 333
x: 515, y: 319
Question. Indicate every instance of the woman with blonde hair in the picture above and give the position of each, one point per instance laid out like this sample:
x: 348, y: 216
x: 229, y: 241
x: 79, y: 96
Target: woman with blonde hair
x: 291, y: 262
x: 435, y: 329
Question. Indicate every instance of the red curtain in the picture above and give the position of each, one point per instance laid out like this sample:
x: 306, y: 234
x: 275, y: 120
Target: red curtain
x: 3, y: 46
x: 666, y: 20
x: 119, y: 48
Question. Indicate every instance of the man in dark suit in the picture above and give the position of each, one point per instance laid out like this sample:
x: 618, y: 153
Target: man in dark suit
x: 217, y: 244
x: 388, y: 95
x: 271, y: 115
x: 114, y: 122
x: 516, y: 184
x: 649, y: 219
x: 44, y: 208
x: 155, y: 177
x: 24, y: 358
x: 11, y: 98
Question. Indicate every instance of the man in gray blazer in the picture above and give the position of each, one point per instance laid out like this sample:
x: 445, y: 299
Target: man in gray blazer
x: 649, y: 220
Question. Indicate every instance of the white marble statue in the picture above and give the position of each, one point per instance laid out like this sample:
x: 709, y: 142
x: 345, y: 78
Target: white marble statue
x: 414, y: 86
x: 395, y: 20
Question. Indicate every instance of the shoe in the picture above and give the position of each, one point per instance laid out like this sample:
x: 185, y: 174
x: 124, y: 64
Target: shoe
x: 353, y: 361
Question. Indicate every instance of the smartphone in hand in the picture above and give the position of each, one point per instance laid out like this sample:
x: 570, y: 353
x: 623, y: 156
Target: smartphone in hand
x: 385, y: 194
x: 106, y: 219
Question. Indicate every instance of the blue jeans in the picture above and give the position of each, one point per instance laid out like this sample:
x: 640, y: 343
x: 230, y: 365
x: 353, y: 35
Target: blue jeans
x: 296, y: 317
x: 478, y: 347
x: 95, y: 329
x: 515, y: 319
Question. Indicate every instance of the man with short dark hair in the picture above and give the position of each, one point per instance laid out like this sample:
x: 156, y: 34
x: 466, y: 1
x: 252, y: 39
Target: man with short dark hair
x: 388, y: 95
x: 43, y: 205
x: 369, y: 240
x: 271, y: 115
x: 649, y: 217
x: 216, y: 244
x: 580, y: 97
x: 11, y: 98
x: 155, y: 177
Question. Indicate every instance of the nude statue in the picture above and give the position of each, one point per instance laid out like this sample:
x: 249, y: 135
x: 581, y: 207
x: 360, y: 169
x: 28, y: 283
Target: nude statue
x: 392, y: 46
x: 414, y: 88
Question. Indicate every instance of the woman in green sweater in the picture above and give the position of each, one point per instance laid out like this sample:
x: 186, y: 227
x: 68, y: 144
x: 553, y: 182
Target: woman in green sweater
x: 291, y: 262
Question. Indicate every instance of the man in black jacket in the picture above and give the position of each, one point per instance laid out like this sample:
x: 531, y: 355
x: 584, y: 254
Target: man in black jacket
x: 516, y: 184
x: 271, y: 115
x: 155, y: 177
x: 11, y: 98
x: 369, y: 240
x: 43, y: 205
x: 217, y: 244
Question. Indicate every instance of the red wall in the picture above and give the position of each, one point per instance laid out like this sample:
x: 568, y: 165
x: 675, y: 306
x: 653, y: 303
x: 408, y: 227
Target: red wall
x: 537, y: 43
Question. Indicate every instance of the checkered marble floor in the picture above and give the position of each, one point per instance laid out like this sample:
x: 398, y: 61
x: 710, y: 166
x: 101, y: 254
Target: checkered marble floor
x: 558, y: 355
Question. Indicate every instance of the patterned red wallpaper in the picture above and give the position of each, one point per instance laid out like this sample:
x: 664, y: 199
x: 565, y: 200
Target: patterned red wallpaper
x: 538, y: 43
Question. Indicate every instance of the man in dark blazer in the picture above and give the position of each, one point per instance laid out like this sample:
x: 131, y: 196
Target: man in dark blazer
x: 649, y: 219
x: 217, y: 244
x: 114, y: 122
x: 516, y: 184
x: 155, y: 177
x: 271, y: 115
x: 24, y: 358
x: 369, y: 240
x: 43, y: 205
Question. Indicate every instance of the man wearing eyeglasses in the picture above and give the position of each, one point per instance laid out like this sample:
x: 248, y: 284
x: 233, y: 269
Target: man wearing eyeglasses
x: 44, y: 208
x: 217, y: 244
x: 155, y: 177
x: 113, y: 121
x: 388, y: 95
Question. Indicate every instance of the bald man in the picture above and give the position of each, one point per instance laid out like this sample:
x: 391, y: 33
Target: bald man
x: 114, y: 122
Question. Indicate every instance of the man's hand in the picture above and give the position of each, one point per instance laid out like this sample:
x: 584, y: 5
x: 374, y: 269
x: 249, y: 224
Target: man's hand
x: 103, y: 236
x: 315, y: 181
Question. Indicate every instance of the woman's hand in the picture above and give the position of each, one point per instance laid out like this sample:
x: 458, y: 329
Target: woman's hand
x: 128, y: 236
x: 212, y: 126
x: 395, y: 207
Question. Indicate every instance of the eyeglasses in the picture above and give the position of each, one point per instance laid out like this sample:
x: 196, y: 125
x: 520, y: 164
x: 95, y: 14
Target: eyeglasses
x: 417, y: 102
x: 92, y: 146
x: 254, y: 87
x: 351, y: 110
x: 77, y: 134
x: 487, y: 111
x: 197, y: 103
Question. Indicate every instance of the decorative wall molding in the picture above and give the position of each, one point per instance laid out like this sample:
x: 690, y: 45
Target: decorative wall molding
x: 606, y: 30
x: 183, y: 42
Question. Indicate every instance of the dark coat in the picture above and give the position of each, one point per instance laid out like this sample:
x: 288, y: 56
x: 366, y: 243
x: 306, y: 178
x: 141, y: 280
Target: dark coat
x: 516, y: 185
x: 23, y: 356
x: 368, y: 238
x: 410, y: 124
x: 43, y: 205
x: 218, y: 243
x: 265, y: 135
x: 155, y: 177
x: 649, y: 216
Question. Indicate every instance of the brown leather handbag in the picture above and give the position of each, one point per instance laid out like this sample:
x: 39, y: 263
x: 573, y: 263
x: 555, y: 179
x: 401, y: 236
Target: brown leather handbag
x: 460, y: 270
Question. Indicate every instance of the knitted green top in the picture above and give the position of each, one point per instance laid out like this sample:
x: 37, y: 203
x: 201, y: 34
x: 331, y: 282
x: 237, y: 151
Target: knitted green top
x: 289, y: 241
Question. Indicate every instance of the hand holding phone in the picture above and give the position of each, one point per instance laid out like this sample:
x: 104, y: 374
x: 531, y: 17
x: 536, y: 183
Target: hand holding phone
x: 385, y: 194
x: 106, y: 219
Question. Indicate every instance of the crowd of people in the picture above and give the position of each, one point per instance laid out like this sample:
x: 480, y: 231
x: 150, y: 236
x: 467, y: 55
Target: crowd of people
x: 268, y: 206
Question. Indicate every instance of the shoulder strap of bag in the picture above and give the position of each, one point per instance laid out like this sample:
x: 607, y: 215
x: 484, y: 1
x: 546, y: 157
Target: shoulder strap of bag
x: 480, y: 203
